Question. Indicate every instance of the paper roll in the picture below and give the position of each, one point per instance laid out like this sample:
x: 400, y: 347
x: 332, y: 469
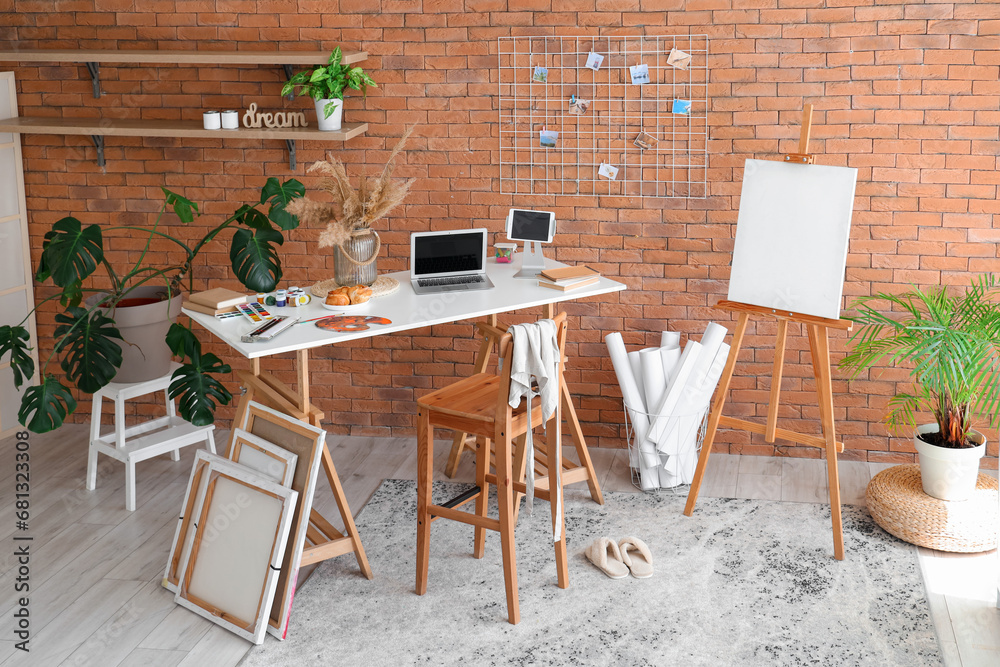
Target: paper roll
x: 654, y: 383
x: 636, y: 365
x: 669, y: 356
x: 702, y: 398
x: 675, y: 389
x: 711, y: 340
x: 670, y: 339
x: 631, y: 393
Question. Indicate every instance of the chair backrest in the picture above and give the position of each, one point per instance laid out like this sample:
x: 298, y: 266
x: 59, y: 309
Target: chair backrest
x: 504, y: 348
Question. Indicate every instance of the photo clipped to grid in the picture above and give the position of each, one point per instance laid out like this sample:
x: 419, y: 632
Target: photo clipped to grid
x: 620, y: 116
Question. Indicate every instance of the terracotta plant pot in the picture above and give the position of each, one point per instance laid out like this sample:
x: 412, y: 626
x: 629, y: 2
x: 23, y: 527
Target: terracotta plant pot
x: 946, y: 473
x: 143, y: 319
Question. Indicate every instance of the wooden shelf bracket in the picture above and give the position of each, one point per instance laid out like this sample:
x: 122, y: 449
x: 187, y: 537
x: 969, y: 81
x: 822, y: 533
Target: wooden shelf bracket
x: 291, y: 153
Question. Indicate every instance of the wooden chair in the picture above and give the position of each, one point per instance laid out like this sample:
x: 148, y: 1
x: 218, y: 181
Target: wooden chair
x: 478, y: 405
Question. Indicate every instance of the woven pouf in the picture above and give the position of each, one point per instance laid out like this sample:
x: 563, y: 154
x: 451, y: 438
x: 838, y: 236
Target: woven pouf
x: 383, y: 286
x: 897, y: 502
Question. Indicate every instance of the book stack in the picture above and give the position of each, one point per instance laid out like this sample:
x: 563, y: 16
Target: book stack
x: 568, y: 278
x: 215, y: 301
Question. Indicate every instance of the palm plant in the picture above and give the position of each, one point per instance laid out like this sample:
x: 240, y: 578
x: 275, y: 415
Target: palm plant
x: 951, y: 344
x: 87, y: 338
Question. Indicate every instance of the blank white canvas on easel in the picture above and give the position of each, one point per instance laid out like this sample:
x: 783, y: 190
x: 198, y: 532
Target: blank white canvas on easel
x: 791, y: 237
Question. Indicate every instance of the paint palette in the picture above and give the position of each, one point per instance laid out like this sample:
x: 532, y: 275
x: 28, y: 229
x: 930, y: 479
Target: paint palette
x: 254, y: 312
x: 348, y: 323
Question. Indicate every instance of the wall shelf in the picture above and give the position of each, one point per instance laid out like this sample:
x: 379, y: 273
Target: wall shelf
x: 92, y: 58
x: 98, y: 128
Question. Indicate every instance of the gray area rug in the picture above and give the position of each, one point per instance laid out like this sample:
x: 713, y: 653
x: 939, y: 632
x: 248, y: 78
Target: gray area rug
x: 742, y: 582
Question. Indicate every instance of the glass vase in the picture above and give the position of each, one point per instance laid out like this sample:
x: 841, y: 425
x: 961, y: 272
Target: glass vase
x: 363, y: 249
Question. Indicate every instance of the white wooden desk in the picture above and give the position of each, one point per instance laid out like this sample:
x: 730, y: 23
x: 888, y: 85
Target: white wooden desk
x: 407, y: 311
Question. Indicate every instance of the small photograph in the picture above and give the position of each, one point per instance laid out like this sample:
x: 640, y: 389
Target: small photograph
x: 548, y: 138
x: 578, y: 107
x: 679, y: 59
x: 541, y: 74
x: 594, y: 61
x: 640, y: 74
x: 682, y: 107
x: 608, y: 171
x: 644, y: 140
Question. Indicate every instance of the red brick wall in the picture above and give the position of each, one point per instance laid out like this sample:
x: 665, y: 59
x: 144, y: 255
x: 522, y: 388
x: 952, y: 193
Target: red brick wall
x: 906, y: 92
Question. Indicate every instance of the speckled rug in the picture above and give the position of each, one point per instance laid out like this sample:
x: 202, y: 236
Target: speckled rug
x: 742, y: 582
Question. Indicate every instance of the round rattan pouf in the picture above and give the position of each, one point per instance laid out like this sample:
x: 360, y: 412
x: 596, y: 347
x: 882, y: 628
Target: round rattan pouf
x: 898, y: 503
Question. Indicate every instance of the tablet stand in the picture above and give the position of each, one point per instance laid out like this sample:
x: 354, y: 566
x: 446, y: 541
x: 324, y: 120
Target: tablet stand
x: 532, y: 260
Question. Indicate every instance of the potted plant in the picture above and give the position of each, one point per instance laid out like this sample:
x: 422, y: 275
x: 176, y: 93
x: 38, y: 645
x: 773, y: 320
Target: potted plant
x: 950, y: 344
x: 96, y: 336
x: 326, y: 85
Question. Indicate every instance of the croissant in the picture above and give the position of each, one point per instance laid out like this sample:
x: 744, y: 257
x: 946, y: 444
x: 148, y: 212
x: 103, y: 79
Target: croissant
x: 359, y: 294
x: 335, y: 299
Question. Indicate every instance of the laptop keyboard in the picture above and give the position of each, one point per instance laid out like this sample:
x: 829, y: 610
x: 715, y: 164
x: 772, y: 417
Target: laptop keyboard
x: 457, y: 280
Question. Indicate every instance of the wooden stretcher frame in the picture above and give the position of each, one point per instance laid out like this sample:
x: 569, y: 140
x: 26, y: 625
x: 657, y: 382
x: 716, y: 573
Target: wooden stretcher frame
x: 281, y: 462
x: 171, y: 577
x: 252, y: 629
x: 261, y: 421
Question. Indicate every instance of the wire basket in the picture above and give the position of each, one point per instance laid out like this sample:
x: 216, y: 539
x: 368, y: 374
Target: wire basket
x: 682, y: 432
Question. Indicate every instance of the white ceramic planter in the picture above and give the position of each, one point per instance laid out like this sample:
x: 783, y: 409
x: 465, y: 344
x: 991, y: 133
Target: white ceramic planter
x: 333, y: 122
x: 145, y: 355
x: 945, y: 473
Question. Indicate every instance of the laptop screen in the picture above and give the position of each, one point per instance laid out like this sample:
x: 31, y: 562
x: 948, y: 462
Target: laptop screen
x: 448, y: 253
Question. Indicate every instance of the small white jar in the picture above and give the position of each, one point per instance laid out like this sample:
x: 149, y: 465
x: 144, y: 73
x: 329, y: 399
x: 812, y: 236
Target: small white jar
x: 212, y: 120
x: 230, y: 120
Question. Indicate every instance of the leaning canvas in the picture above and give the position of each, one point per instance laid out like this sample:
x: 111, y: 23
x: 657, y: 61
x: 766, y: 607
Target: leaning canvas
x: 791, y: 237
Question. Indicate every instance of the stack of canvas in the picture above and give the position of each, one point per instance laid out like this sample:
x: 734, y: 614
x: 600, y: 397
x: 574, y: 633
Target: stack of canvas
x: 240, y: 534
x: 667, y: 392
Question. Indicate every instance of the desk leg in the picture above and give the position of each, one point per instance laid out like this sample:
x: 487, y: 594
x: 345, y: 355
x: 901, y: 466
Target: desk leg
x: 303, y: 373
x: 576, y: 432
x: 458, y: 442
x: 345, y: 512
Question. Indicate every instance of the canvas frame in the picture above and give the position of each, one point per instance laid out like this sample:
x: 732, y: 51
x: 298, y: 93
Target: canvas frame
x: 281, y: 462
x: 209, y: 515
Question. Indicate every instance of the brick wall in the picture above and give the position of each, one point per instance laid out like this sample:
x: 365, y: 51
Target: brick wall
x: 906, y: 92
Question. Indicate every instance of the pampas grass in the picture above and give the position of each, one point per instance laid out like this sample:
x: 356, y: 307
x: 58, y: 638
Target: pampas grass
x: 353, y: 209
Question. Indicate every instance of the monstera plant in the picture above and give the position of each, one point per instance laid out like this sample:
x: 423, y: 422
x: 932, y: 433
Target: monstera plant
x: 87, y: 341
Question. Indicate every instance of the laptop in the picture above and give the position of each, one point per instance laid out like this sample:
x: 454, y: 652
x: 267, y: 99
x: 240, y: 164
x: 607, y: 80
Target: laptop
x: 449, y: 261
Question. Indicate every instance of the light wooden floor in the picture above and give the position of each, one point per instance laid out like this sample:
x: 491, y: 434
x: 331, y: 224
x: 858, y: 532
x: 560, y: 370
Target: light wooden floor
x: 96, y: 597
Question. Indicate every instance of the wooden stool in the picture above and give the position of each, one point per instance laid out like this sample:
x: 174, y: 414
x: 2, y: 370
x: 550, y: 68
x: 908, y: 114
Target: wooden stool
x: 129, y: 445
x: 479, y: 405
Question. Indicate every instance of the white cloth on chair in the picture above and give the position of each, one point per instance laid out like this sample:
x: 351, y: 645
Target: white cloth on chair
x: 535, y: 354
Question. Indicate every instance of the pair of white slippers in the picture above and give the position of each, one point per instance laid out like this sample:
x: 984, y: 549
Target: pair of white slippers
x: 617, y: 560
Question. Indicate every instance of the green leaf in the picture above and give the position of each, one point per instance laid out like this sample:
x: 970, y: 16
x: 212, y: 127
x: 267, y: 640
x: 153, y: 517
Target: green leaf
x: 255, y: 260
x: 70, y: 252
x: 92, y: 357
x: 251, y: 217
x: 335, y: 57
x: 330, y: 108
x: 15, y: 339
x: 318, y: 74
x: 183, y: 207
x: 182, y: 341
x: 197, y: 390
x: 45, y: 406
x: 280, y: 195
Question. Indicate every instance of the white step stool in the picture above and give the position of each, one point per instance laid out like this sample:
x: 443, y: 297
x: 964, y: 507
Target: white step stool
x: 171, y: 432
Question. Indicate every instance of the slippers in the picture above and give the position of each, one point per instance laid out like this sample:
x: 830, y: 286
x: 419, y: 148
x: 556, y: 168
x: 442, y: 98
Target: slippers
x: 640, y: 560
x: 604, y: 554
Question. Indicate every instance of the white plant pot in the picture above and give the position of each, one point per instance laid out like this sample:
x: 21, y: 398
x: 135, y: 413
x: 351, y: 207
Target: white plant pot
x: 945, y: 473
x: 333, y: 122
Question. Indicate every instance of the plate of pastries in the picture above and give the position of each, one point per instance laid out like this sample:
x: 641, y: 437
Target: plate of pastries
x: 350, y: 298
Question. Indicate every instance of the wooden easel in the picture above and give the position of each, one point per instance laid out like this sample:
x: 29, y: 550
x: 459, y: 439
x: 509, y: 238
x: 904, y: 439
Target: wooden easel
x: 324, y: 541
x: 571, y: 472
x: 819, y: 346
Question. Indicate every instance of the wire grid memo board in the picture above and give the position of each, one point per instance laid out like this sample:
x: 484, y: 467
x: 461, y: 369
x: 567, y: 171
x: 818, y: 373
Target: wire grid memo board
x: 667, y: 115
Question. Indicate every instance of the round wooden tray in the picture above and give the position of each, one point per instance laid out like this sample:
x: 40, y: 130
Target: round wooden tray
x: 383, y: 286
x: 898, y: 503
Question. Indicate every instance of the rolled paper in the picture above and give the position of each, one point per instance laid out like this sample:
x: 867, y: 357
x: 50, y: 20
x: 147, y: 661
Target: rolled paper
x: 631, y: 393
x: 669, y: 358
x: 654, y: 383
x: 649, y: 476
x: 675, y: 389
x: 702, y: 397
x: 636, y: 366
x: 670, y: 339
x: 711, y: 340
